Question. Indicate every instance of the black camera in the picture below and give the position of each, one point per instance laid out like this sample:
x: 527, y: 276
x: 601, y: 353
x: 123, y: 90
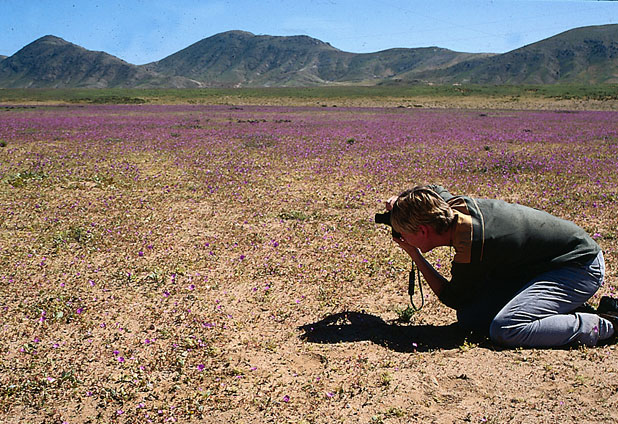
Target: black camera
x: 385, y: 218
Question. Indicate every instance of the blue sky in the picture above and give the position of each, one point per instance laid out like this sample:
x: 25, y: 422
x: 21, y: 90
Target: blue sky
x: 142, y: 31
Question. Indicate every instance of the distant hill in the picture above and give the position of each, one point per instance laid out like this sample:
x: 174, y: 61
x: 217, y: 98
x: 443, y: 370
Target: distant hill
x: 582, y: 55
x: 243, y: 59
x: 51, y: 62
x: 237, y: 58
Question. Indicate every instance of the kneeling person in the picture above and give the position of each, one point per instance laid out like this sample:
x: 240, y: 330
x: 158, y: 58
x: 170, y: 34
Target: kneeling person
x: 518, y: 273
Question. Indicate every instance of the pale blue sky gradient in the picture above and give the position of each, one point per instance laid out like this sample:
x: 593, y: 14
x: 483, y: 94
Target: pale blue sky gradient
x: 141, y: 31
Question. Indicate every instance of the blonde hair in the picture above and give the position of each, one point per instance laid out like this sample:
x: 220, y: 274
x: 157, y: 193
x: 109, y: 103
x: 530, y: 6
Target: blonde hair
x: 421, y: 206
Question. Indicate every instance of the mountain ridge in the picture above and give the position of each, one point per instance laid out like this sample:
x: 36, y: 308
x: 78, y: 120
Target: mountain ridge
x: 51, y: 62
x: 242, y: 59
x: 584, y: 55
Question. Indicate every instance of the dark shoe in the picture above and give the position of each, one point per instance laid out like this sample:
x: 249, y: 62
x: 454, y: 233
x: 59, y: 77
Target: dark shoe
x: 587, y: 309
x: 608, y: 304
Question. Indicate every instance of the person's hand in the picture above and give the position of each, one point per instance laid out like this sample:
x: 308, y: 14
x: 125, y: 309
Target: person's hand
x: 390, y: 203
x: 412, y: 251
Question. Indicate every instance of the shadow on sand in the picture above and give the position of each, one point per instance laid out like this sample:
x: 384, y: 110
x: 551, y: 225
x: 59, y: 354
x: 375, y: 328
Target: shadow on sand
x: 359, y: 326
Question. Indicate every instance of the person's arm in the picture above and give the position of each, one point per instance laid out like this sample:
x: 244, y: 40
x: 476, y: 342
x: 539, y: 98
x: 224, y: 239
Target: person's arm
x: 441, y: 191
x: 435, y: 280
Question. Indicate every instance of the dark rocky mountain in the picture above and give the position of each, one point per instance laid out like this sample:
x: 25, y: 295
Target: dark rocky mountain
x: 581, y: 55
x: 236, y: 58
x: 51, y: 62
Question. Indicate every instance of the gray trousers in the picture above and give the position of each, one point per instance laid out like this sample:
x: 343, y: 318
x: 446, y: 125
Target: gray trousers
x: 541, y: 313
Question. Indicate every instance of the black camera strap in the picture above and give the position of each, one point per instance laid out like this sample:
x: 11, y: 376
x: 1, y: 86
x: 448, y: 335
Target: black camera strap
x: 411, y: 284
x: 385, y: 218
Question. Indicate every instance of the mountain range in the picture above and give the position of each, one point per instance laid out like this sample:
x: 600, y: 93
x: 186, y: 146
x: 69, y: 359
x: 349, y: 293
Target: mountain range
x: 242, y: 59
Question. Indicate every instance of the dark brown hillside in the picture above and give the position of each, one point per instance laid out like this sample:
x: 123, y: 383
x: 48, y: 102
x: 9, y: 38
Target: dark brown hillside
x: 243, y: 59
x: 582, y: 55
x: 51, y: 62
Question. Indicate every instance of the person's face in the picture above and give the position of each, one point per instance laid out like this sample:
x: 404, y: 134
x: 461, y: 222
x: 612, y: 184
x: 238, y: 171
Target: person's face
x: 418, y: 239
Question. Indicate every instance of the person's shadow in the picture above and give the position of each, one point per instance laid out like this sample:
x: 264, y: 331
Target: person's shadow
x: 360, y: 326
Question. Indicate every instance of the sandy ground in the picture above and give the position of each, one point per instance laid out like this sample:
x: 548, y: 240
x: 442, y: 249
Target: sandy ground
x: 253, y: 305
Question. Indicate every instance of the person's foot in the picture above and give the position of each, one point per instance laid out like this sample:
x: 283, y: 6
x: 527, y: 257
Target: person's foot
x: 586, y: 308
x: 608, y: 305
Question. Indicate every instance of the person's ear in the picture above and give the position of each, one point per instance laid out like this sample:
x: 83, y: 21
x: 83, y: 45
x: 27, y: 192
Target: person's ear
x: 423, y: 230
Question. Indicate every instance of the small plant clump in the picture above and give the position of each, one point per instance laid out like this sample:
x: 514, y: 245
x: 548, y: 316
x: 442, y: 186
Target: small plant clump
x: 405, y: 315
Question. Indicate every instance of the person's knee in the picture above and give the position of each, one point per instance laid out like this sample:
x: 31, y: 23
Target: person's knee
x: 502, y: 332
x: 496, y: 332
